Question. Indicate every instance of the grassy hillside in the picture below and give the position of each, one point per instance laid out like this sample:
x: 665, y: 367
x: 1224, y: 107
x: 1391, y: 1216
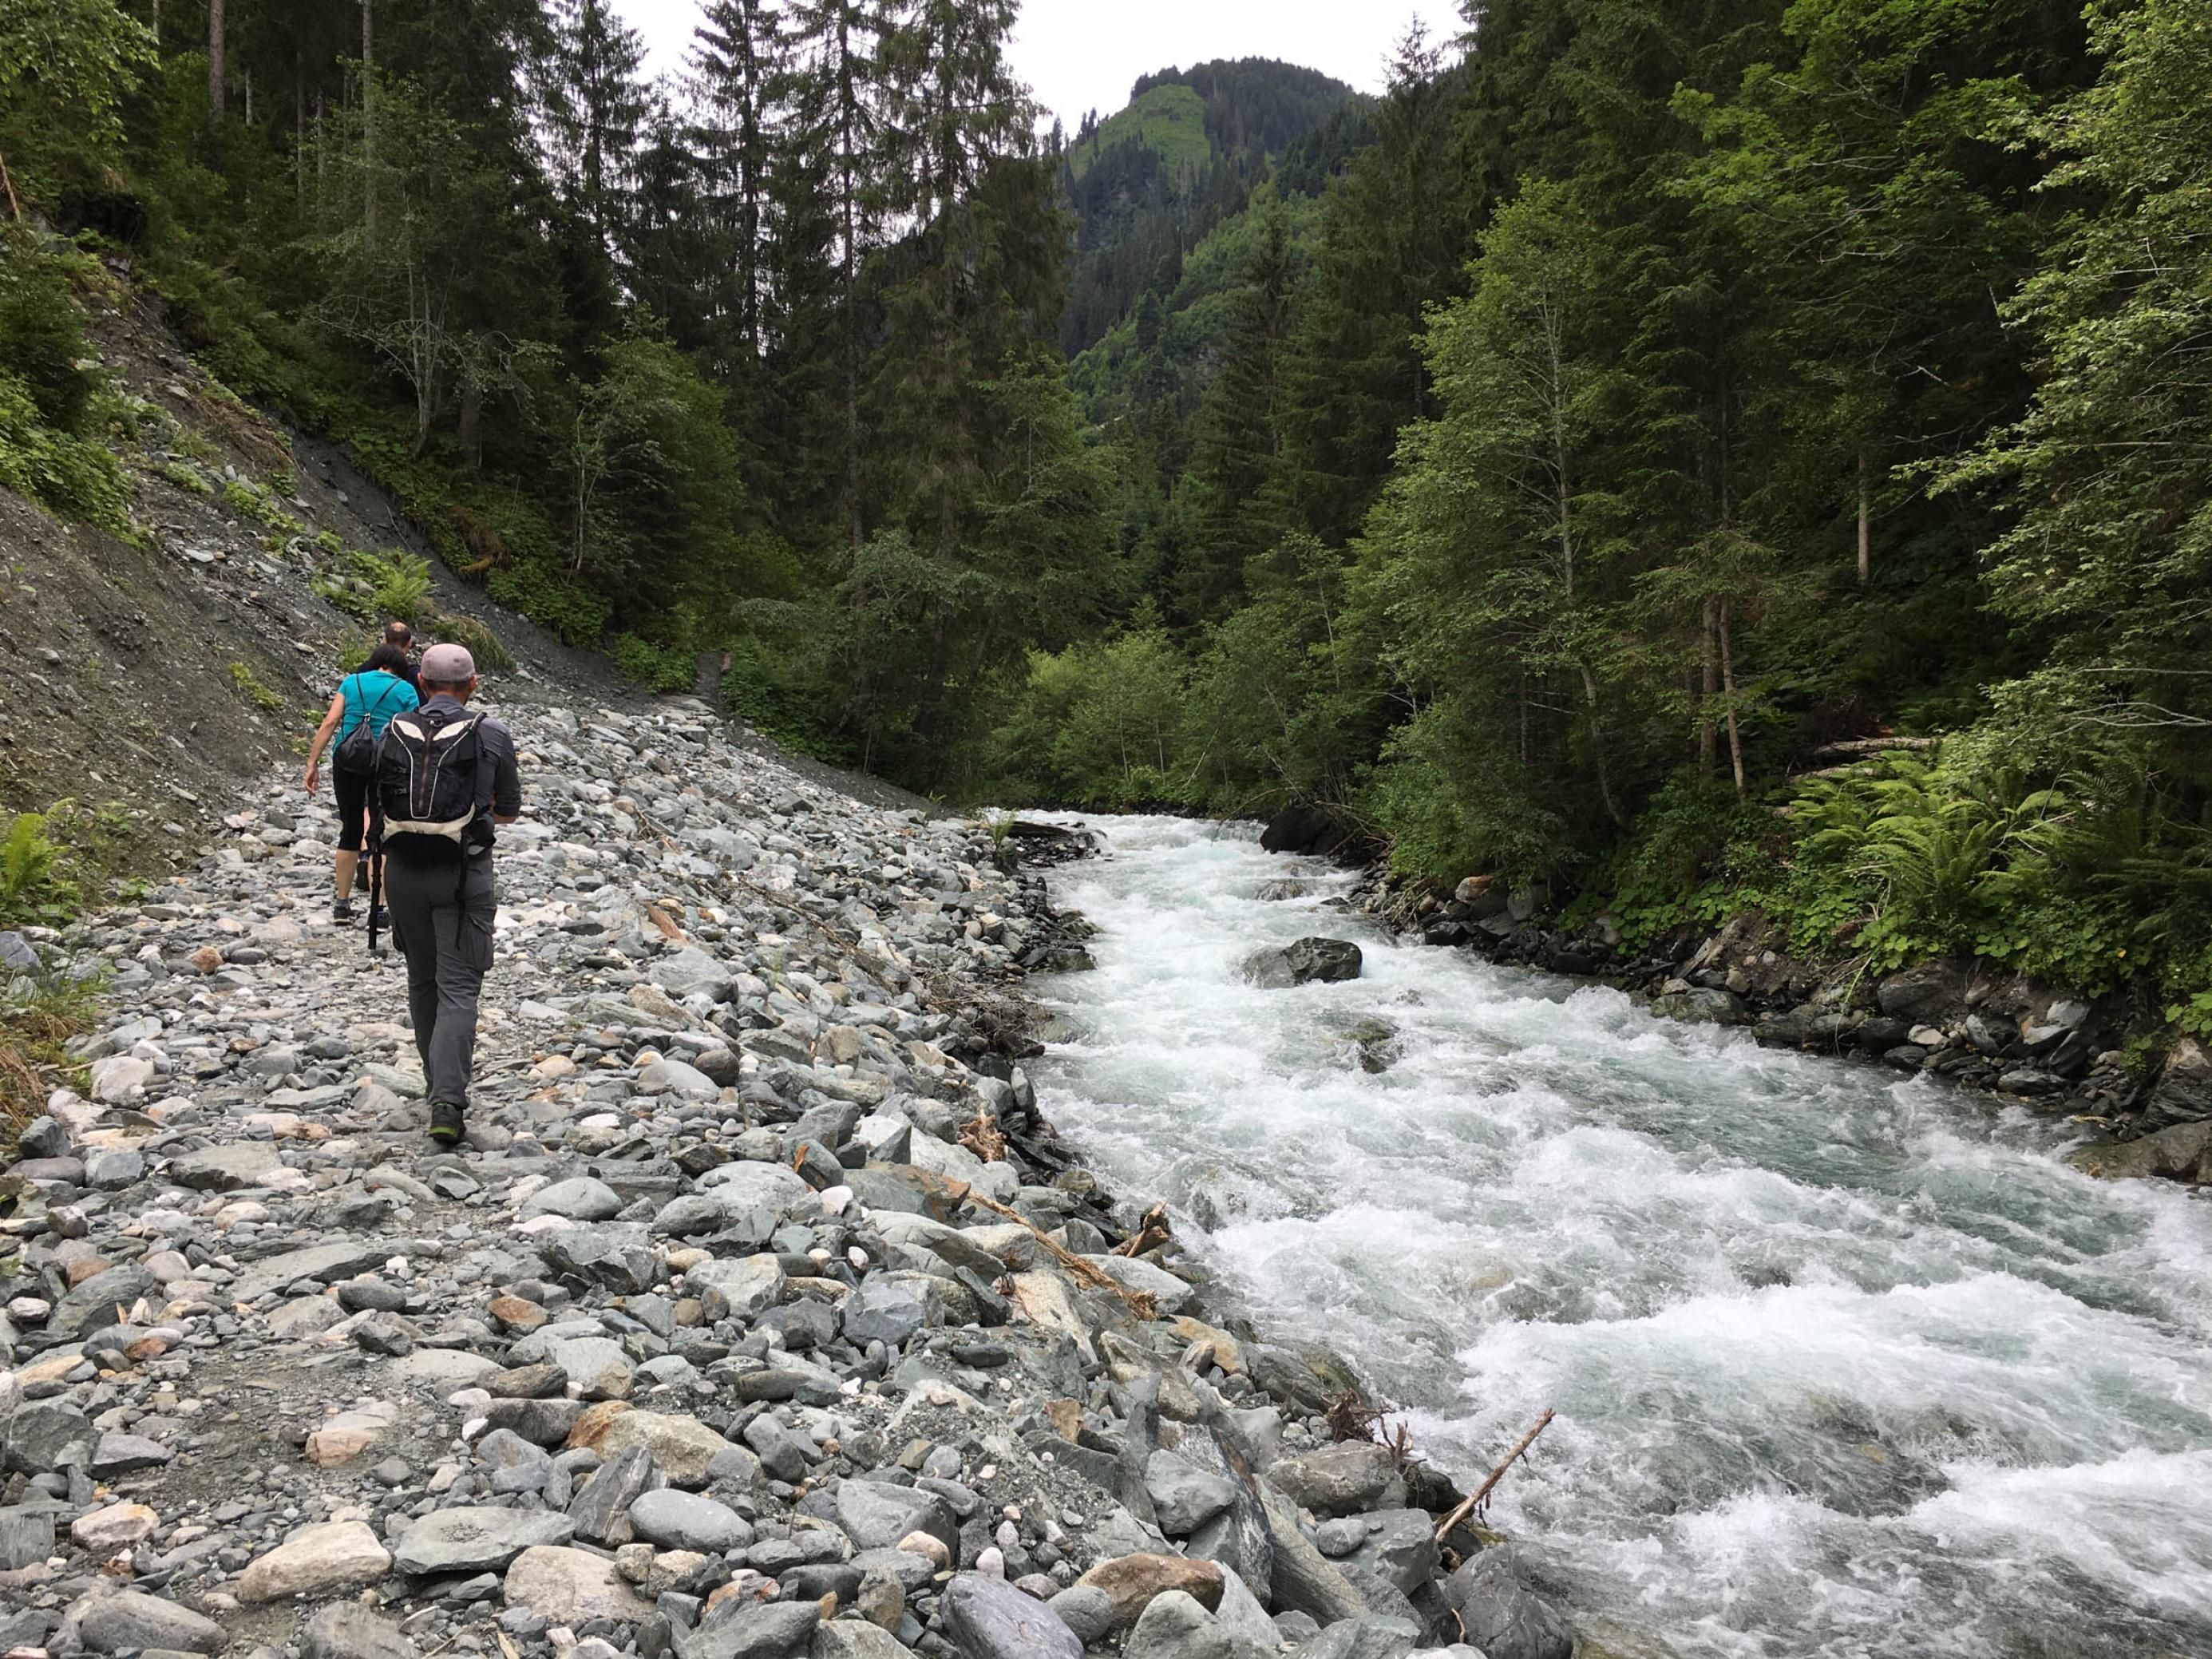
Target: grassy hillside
x: 1147, y: 185
x: 1170, y: 120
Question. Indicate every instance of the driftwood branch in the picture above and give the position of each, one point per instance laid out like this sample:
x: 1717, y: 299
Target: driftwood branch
x: 1090, y: 1273
x: 1475, y: 1497
x: 985, y: 1139
x: 1152, y: 1233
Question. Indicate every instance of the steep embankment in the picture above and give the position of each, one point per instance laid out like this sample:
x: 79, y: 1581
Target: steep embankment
x: 144, y: 679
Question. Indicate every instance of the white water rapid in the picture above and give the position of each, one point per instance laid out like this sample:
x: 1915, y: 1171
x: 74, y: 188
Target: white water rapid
x: 1844, y: 1365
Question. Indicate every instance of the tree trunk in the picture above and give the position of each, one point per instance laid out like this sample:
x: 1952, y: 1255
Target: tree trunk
x: 157, y: 25
x: 1866, y: 545
x: 848, y: 137
x: 1709, y: 688
x: 300, y: 127
x: 1597, y: 750
x: 215, y: 68
x: 470, y: 427
x: 368, y: 117
x: 1728, y: 684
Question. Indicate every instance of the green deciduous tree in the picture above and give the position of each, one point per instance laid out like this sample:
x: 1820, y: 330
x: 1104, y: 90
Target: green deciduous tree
x: 66, y: 67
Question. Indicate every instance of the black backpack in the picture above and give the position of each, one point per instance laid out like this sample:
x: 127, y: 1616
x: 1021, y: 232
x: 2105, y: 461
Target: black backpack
x: 356, y: 754
x: 429, y: 767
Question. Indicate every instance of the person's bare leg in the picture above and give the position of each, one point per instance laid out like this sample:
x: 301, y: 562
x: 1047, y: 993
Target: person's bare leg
x: 347, y: 863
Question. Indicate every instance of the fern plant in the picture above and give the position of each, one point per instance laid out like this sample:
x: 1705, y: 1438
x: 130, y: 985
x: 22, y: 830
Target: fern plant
x: 398, y: 583
x: 32, y: 879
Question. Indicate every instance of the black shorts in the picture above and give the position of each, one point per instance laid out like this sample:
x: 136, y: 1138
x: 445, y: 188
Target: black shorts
x: 352, y: 791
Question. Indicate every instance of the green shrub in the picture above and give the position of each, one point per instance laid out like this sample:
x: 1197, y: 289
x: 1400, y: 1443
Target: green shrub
x: 398, y: 583
x: 253, y: 502
x: 779, y: 696
x: 491, y: 657
x: 38, y: 1013
x: 662, y: 667
x: 250, y: 682
x: 541, y: 590
x: 184, y: 475
x: 42, y: 333
x: 58, y: 470
x: 35, y: 884
x: 1694, y: 855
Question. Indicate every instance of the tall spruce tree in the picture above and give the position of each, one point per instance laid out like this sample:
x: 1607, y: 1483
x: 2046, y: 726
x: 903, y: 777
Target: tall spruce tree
x: 735, y: 64
x: 832, y: 168
x: 595, y: 107
x: 1394, y: 242
x: 1237, y: 465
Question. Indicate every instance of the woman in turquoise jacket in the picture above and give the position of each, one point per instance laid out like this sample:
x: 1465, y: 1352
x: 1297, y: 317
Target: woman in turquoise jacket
x: 370, y: 697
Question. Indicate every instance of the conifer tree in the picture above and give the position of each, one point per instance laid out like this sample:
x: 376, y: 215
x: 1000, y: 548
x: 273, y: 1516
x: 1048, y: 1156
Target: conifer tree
x: 1237, y: 467
x: 595, y: 106
x: 834, y: 100
x: 734, y: 66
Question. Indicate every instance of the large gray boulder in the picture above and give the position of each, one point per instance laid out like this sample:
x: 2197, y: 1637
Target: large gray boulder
x: 96, y: 1302
x: 476, y: 1540
x: 2183, y: 1093
x: 44, y: 1436
x: 1184, y: 1496
x: 581, y: 1197
x: 347, y: 1630
x: 685, y: 1521
x: 117, y: 1621
x: 1926, y: 993
x: 1375, y: 1636
x: 990, y: 1619
x: 1501, y: 1615
x: 882, y: 1310
x: 876, y: 1516
x: 1397, y: 1545
x: 1301, y: 1579
x: 1175, y: 1625
x: 1354, y: 1478
x: 741, y: 1628
x: 1304, y: 963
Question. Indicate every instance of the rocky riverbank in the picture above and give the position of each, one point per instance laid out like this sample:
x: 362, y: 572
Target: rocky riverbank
x: 760, y: 1317
x: 2004, y: 1033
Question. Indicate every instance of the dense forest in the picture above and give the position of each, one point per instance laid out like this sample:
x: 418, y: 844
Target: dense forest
x: 1695, y: 456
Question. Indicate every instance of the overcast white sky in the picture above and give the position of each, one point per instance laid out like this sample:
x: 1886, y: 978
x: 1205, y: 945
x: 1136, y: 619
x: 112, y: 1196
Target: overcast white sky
x: 1078, y: 55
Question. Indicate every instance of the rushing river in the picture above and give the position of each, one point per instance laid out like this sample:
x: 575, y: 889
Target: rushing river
x: 1844, y: 1365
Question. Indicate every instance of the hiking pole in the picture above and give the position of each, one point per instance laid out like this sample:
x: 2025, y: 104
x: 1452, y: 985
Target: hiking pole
x: 376, y: 873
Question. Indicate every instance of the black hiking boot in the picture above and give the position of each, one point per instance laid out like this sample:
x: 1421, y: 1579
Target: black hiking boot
x: 342, y: 911
x: 446, y: 1126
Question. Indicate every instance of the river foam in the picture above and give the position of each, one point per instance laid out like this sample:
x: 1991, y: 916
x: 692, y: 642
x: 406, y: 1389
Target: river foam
x: 1845, y: 1364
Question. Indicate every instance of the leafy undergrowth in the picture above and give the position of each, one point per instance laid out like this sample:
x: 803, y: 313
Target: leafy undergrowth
x: 2085, y: 876
x: 38, y: 1016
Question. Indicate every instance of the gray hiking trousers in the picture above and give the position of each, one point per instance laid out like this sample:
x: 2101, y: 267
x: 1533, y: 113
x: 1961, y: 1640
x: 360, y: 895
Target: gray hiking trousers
x: 442, y: 917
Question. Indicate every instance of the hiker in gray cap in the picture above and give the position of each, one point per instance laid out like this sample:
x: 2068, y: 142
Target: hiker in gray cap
x: 445, y: 775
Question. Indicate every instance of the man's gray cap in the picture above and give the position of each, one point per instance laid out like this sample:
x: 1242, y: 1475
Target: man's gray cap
x: 448, y: 664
